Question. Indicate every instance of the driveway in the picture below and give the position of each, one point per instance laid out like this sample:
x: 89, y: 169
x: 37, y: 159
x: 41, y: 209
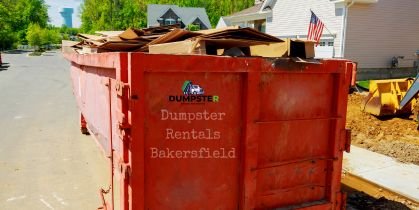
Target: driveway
x: 45, y: 162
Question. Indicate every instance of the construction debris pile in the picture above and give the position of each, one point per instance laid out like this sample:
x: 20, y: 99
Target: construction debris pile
x: 391, y: 136
x: 230, y: 41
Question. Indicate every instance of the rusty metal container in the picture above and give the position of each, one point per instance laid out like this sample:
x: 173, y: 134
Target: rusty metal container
x: 219, y: 133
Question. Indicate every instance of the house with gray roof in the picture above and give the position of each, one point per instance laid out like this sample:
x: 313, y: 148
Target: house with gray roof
x: 162, y: 14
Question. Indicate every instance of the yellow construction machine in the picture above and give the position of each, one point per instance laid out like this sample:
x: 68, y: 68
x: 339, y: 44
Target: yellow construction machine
x: 391, y: 97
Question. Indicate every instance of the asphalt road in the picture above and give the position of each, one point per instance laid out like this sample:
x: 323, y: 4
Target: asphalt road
x: 45, y: 162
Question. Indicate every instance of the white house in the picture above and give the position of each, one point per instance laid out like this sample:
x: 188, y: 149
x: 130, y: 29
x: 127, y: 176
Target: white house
x: 371, y: 32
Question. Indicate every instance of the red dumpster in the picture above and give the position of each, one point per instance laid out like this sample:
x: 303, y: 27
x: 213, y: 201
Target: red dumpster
x: 210, y: 132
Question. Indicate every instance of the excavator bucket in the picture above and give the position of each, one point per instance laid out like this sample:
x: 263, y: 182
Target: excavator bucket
x: 411, y: 93
x: 385, y: 96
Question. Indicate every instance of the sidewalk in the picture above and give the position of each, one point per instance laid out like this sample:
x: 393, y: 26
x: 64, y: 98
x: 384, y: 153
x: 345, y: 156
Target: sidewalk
x: 385, y: 173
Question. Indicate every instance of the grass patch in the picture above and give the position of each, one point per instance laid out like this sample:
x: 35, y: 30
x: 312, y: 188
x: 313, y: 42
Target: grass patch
x: 35, y: 53
x: 364, y: 84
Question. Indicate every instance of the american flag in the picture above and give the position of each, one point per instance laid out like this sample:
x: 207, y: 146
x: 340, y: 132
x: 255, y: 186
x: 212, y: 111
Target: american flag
x: 315, y: 29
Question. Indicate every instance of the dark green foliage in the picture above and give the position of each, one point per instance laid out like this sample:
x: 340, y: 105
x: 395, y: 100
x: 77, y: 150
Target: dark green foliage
x: 44, y: 37
x: 25, y: 22
x: 15, y: 18
x: 192, y: 27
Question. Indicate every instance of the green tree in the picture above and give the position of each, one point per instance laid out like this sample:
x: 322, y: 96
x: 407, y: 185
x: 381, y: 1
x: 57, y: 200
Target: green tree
x: 7, y: 39
x: 28, y: 12
x: 15, y: 18
x: 34, y: 35
x: 121, y: 14
x: 192, y: 27
x: 49, y: 37
x: 69, y: 31
x: 7, y: 36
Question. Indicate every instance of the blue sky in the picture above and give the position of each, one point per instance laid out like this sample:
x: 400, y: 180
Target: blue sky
x: 54, y: 8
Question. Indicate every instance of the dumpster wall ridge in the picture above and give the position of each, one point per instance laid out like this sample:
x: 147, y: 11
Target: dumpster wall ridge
x: 102, y: 60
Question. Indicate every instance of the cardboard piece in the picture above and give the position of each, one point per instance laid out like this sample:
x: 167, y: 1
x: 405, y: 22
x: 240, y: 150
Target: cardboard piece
x: 273, y: 50
x: 194, y: 47
x: 229, y: 41
x: 290, y: 48
x: 109, y: 33
x: 204, y: 46
x: 173, y: 36
x: 121, y: 46
x: 210, y: 31
x: 90, y: 37
x: 242, y: 33
x: 131, y: 34
x: 152, y: 37
x: 212, y: 41
x: 160, y: 30
x: 87, y: 50
x: 69, y: 46
x: 115, y: 39
x: 301, y: 48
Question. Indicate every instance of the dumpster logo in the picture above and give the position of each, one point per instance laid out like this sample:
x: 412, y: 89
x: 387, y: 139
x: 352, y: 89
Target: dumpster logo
x: 190, y: 89
x: 192, y: 94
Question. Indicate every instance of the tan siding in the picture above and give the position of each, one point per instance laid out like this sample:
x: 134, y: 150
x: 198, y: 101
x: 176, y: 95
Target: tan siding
x: 377, y: 32
x: 292, y: 17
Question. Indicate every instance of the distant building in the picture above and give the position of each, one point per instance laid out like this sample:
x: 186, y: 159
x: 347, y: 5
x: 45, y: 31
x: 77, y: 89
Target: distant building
x: 67, y: 14
x: 160, y: 15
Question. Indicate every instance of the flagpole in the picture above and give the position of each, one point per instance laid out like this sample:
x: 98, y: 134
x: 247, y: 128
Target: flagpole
x: 333, y: 35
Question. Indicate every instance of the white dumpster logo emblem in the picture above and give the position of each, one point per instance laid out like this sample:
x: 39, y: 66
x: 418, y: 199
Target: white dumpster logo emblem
x: 189, y: 88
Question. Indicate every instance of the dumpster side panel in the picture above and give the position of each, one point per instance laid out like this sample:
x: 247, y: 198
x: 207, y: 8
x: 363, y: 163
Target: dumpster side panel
x: 289, y: 152
x: 190, y: 183
x: 295, y: 124
x: 95, y: 78
x: 293, y: 96
x: 98, y: 85
x: 192, y: 147
x: 90, y: 85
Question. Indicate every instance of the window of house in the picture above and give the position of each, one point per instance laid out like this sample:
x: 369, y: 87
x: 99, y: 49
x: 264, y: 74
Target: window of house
x: 338, y: 11
x: 330, y: 44
x: 199, y: 23
x: 169, y: 21
x: 260, y: 25
x: 322, y: 44
x: 169, y: 18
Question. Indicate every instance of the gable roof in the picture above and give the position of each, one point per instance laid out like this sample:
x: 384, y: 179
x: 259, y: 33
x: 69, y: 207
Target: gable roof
x: 268, y: 5
x: 256, y: 10
x: 249, y: 10
x: 187, y: 14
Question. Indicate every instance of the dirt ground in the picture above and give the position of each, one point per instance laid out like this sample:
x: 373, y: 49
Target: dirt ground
x: 360, y: 201
x: 395, y: 137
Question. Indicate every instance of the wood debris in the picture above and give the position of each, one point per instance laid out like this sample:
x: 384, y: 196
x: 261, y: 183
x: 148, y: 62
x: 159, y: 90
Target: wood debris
x: 230, y: 41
